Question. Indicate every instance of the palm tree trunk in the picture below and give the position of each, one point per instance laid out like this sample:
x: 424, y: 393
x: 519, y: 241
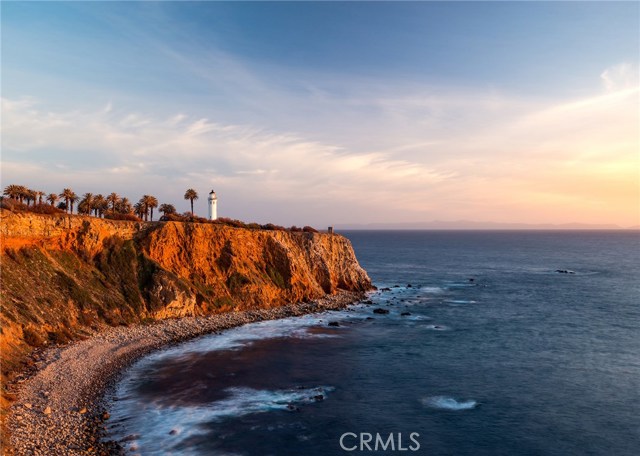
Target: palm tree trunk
x: 191, y: 207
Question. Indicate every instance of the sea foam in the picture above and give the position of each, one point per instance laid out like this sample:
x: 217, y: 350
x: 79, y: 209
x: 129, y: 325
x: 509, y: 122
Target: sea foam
x: 164, y: 429
x: 242, y: 336
x: 448, y: 403
x: 244, y: 401
x: 433, y: 290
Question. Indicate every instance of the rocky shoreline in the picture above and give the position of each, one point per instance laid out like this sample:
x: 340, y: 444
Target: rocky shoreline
x: 60, y: 410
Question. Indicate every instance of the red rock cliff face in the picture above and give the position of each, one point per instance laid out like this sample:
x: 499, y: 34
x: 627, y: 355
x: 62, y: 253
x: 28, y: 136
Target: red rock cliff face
x: 63, y: 276
x: 243, y: 268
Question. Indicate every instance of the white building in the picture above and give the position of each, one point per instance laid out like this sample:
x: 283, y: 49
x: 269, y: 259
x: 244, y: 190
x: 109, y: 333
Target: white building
x: 213, y: 205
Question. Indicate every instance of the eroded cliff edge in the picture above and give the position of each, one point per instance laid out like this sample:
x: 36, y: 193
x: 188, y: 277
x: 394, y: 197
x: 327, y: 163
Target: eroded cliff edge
x: 67, y: 277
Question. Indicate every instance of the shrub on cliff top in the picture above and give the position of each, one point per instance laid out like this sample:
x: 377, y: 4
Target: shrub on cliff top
x: 169, y: 217
x: 12, y: 205
x: 38, y: 208
x: 272, y: 227
x: 42, y: 208
x: 118, y: 216
x: 230, y: 222
x: 184, y: 217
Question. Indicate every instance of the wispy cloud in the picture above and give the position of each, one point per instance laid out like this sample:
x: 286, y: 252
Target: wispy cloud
x: 182, y: 151
x: 354, y: 150
x: 620, y: 77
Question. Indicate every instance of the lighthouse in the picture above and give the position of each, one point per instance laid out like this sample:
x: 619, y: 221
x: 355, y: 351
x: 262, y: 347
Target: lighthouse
x: 213, y: 205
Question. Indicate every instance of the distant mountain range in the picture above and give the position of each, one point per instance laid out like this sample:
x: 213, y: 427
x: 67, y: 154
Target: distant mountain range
x: 472, y: 225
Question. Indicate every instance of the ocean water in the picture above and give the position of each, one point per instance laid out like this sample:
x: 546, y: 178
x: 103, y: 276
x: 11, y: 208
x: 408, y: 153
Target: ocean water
x: 499, y: 354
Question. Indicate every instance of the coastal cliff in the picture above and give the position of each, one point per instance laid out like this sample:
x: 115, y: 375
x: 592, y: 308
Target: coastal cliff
x: 67, y: 277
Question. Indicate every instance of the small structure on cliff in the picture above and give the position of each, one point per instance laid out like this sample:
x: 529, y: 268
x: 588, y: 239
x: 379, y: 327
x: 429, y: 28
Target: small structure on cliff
x: 213, y: 205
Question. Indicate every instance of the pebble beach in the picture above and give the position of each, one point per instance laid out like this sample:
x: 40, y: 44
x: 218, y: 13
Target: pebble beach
x: 60, y: 408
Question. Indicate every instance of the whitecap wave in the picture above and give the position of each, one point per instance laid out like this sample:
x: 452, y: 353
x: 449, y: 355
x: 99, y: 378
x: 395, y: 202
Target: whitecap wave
x: 448, y: 403
x: 433, y: 290
x: 436, y: 327
x: 461, y: 284
x: 460, y: 301
x: 418, y: 318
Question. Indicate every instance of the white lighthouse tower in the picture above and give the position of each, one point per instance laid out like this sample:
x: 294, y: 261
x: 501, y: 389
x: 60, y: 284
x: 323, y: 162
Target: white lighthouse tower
x: 213, y: 205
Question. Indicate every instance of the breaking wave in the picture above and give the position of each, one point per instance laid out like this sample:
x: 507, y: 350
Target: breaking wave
x: 433, y: 290
x: 448, y: 403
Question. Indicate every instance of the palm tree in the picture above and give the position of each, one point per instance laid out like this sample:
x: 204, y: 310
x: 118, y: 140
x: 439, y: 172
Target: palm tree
x: 26, y: 197
x: 87, y: 203
x: 65, y: 194
x: 123, y: 206
x: 100, y: 205
x: 167, y: 209
x: 84, y: 207
x: 52, y: 198
x: 14, y: 191
x: 140, y: 209
x: 69, y: 198
x: 40, y: 195
x: 153, y: 203
x: 72, y: 200
x: 11, y: 191
x: 24, y: 194
x: 191, y: 195
x: 113, y: 199
x: 30, y: 195
x: 149, y: 202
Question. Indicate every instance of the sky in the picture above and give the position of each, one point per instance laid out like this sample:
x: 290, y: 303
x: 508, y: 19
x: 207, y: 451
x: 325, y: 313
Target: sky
x: 330, y: 113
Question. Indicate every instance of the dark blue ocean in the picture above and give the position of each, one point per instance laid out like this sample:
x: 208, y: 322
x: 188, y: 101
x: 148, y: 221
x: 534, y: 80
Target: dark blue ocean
x: 497, y: 354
